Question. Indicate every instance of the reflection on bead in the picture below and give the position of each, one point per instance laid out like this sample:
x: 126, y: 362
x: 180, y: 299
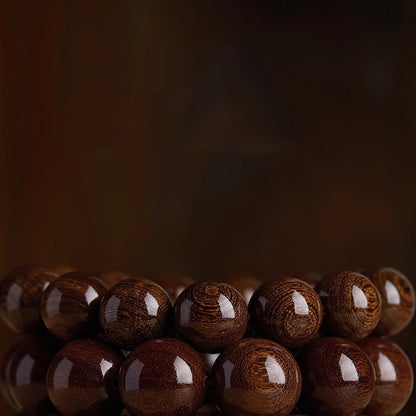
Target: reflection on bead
x: 256, y: 377
x: 210, y: 315
x: 338, y: 377
x: 82, y: 379
x: 163, y: 377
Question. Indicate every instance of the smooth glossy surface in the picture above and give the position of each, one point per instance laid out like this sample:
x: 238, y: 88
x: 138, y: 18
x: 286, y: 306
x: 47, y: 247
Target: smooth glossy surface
x: 394, y: 376
x: 398, y: 297
x: 175, y: 283
x: 163, y: 377
x: 24, y: 374
x: 70, y: 305
x: 20, y: 294
x: 338, y: 377
x: 245, y: 284
x: 352, y: 305
x: 134, y: 311
x: 82, y: 379
x: 286, y: 310
x: 210, y: 315
x: 256, y: 377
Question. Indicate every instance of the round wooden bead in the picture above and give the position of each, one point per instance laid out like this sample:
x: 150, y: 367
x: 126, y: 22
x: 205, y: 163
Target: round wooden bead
x: 163, y: 377
x: 61, y: 269
x: 352, y: 305
x: 245, y: 284
x: 175, y: 283
x: 210, y: 316
x: 70, y: 305
x: 134, y: 311
x: 24, y: 374
x: 82, y: 379
x: 398, y: 300
x: 287, y: 310
x: 112, y: 277
x: 394, y: 376
x: 256, y: 377
x: 338, y: 377
x: 20, y: 294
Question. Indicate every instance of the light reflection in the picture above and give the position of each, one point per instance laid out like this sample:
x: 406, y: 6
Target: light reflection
x: 111, y: 309
x: 185, y: 311
x: 152, y: 304
x: 348, y: 370
x: 227, y: 309
x: 386, y: 367
x: 359, y: 297
x: 105, y: 366
x: 13, y: 297
x: 53, y: 301
x: 228, y: 367
x: 183, y: 371
x: 301, y: 306
x: 393, y: 295
x: 275, y: 371
x: 132, y: 377
x: 263, y: 302
x: 90, y: 295
x: 62, y: 373
x: 24, y: 371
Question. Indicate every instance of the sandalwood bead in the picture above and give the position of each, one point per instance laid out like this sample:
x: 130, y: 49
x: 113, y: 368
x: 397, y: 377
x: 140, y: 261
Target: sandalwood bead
x: 134, y: 311
x: 352, y: 305
x: 20, y: 294
x: 287, y: 310
x: 256, y: 377
x: 70, y: 305
x: 337, y: 376
x: 394, y: 376
x: 175, y: 283
x: 162, y: 377
x: 398, y: 300
x: 245, y: 284
x: 210, y: 316
x: 82, y: 379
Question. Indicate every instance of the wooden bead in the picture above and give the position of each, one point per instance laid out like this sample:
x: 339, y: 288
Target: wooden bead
x: 394, y: 376
x: 20, y: 294
x: 61, y: 269
x: 245, y: 284
x: 256, y: 377
x: 70, y: 305
x: 24, y: 374
x: 309, y: 277
x: 398, y: 300
x: 286, y: 310
x: 82, y: 379
x: 162, y: 377
x: 338, y: 377
x: 112, y: 277
x: 210, y: 316
x: 352, y: 305
x: 134, y: 311
x: 175, y: 283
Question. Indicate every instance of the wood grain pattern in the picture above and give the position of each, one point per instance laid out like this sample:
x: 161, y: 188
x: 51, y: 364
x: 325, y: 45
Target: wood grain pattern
x: 398, y: 300
x: 287, y: 310
x: 337, y: 377
x: 163, y: 377
x: 210, y: 315
x: 175, y: 283
x: 256, y: 377
x: 352, y: 305
x: 394, y: 376
x: 69, y: 306
x: 244, y: 283
x: 24, y: 374
x: 20, y: 295
x: 82, y: 379
x: 134, y: 311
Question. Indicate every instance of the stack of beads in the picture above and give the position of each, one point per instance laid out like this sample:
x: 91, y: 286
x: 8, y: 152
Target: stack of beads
x: 113, y: 344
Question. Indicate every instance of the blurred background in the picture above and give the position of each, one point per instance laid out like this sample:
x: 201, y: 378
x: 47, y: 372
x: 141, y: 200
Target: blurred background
x: 208, y: 137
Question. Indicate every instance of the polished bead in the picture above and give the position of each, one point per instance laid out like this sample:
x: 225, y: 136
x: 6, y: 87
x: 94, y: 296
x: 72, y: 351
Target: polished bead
x: 244, y: 283
x: 338, y: 377
x: 210, y: 315
x: 20, y: 294
x: 162, y: 377
x: 286, y: 310
x: 398, y: 300
x: 394, y: 376
x: 134, y: 311
x: 61, y: 269
x: 82, y: 379
x: 352, y: 305
x: 70, y: 305
x: 175, y: 283
x: 24, y: 374
x: 112, y: 277
x: 256, y: 377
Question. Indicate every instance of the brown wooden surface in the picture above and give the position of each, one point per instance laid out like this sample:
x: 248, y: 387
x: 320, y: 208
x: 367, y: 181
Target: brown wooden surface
x: 208, y: 137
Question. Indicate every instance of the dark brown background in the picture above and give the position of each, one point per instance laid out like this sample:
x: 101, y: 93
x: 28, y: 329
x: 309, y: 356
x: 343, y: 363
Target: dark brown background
x: 208, y: 137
